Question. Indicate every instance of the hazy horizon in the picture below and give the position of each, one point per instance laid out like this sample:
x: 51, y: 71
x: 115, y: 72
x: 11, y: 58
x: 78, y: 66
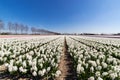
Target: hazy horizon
x: 64, y: 16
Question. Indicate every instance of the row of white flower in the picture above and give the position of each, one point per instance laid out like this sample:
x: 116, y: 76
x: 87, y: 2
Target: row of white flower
x: 103, y: 47
x: 110, y: 41
x: 33, y: 56
x: 92, y: 63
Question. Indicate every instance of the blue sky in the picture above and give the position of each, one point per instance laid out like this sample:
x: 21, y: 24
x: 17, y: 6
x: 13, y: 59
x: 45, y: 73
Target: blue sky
x: 94, y: 16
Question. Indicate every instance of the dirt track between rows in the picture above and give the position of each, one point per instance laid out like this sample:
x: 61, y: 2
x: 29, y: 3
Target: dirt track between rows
x: 66, y: 65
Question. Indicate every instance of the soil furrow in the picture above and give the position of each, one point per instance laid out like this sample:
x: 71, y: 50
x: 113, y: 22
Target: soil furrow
x: 66, y: 65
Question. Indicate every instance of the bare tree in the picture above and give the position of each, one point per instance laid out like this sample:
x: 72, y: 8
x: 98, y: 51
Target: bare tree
x: 16, y: 27
x: 33, y: 30
x: 1, y: 25
x: 10, y: 26
x: 26, y: 29
x: 21, y: 28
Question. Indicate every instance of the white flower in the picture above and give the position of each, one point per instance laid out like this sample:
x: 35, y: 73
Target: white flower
x: 116, y: 68
x: 99, y: 67
x: 11, y: 62
x: 41, y: 65
x: 56, y: 65
x: 104, y: 74
x: 24, y: 70
x: 24, y: 64
x: 10, y: 69
x: 21, y: 69
x: 97, y: 74
x: 40, y: 60
x: 34, y: 73
x: 118, y: 74
x: 109, y: 60
x: 34, y: 68
x: 110, y: 71
x: 99, y: 78
x: 44, y: 71
x: 114, y: 62
x: 113, y: 75
x: 30, y: 62
x: 5, y: 58
x: 82, y: 69
x: 86, y: 65
x: 93, y: 63
x: 91, y: 69
x: 15, y: 68
x: 98, y: 62
x: 81, y: 56
x: 78, y: 68
x: 34, y: 62
x: 20, y: 60
x: 1, y: 59
x: 91, y: 78
x: 6, y: 64
x: 104, y: 65
x: 40, y: 73
x: 31, y: 53
x: 58, y: 72
x: 48, y: 69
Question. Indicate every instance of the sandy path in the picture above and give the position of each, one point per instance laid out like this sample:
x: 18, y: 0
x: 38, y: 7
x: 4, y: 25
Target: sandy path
x: 66, y: 65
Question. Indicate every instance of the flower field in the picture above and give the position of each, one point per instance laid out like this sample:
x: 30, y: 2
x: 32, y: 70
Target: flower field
x: 31, y: 56
x: 39, y: 57
x: 95, y: 59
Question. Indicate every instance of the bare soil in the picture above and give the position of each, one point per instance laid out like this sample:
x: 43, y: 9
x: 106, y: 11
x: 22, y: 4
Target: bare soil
x: 66, y: 65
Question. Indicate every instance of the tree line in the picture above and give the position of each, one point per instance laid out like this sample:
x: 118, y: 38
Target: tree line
x: 15, y: 28
x: 42, y: 31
